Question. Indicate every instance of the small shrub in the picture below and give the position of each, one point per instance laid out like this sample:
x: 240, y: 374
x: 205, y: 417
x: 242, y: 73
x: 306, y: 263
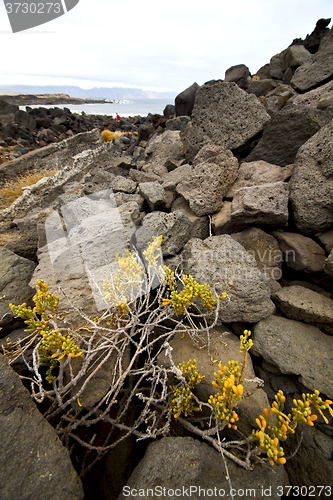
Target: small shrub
x: 108, y: 136
x: 141, y: 322
x: 14, y: 189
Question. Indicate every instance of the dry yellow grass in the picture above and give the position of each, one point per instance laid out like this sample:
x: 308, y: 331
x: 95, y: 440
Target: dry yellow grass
x: 14, y: 189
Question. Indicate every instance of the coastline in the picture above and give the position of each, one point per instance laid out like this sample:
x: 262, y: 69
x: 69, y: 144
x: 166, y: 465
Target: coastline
x: 49, y: 99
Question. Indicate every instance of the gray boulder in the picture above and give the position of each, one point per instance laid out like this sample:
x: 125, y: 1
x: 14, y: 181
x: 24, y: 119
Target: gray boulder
x: 182, y: 465
x: 221, y: 261
x: 178, y: 123
x: 266, y: 204
x: 177, y: 175
x: 298, y: 349
x: 34, y: 464
x: 224, y: 115
x: 25, y: 120
x: 208, y: 181
x: 311, y: 185
x: 123, y: 184
x: 300, y: 252
x: 326, y: 239
x: 200, y: 225
x: 264, y: 248
x: 6, y: 108
x: 320, y: 98
x: 141, y: 177
x: 275, y: 70
x: 15, y: 275
x: 258, y: 172
x: 154, y: 194
x: 318, y: 69
x: 165, y: 147
x: 287, y: 131
x: 303, y: 304
x: 185, y: 100
x: 175, y: 229
x: 294, y: 56
x: 239, y: 74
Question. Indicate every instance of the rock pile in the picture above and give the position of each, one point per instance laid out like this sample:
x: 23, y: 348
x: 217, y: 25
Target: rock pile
x: 23, y: 131
x: 240, y: 185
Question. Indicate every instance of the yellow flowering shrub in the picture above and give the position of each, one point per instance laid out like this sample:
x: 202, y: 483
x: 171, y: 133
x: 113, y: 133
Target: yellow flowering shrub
x: 54, y: 346
x: 137, y: 327
x: 108, y: 136
x: 228, y: 380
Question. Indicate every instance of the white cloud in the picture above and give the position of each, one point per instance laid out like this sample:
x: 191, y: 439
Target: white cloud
x: 165, y: 46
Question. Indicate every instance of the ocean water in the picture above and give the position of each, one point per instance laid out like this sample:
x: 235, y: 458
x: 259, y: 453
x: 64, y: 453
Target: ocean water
x: 130, y: 107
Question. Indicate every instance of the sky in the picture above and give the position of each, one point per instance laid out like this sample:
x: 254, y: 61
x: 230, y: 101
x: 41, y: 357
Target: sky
x: 161, y: 46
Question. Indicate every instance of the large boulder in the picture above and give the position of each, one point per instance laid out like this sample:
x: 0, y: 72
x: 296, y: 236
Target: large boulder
x: 297, y: 349
x: 258, y: 172
x: 184, y: 101
x: 154, y: 194
x: 239, y: 74
x: 224, y: 115
x: 175, y: 229
x: 25, y: 120
x: 183, y: 467
x: 165, y: 147
x: 303, y: 304
x: 200, y: 225
x: 300, y: 252
x: 6, y: 108
x: 321, y: 97
x: 311, y: 185
x: 275, y: 70
x: 15, y: 275
x: 34, y: 464
x: 294, y: 56
x: 286, y: 132
x: 211, y: 175
x: 264, y: 248
x: 263, y: 205
x: 318, y: 70
x: 221, y: 261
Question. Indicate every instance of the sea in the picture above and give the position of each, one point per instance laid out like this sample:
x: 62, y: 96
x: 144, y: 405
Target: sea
x: 125, y: 108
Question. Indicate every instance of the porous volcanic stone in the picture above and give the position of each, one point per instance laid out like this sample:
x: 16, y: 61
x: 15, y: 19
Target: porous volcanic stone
x: 311, y: 184
x: 221, y: 260
x: 258, y: 172
x: 15, y: 274
x: 300, y: 252
x: 298, y: 349
x: 209, y: 180
x: 180, y: 463
x: 303, y: 304
x: 286, y: 132
x: 224, y: 115
x: 266, y: 204
x: 33, y: 462
x: 316, y: 70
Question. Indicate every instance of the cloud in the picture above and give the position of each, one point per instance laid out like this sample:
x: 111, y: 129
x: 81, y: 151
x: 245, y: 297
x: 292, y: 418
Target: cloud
x: 164, y: 46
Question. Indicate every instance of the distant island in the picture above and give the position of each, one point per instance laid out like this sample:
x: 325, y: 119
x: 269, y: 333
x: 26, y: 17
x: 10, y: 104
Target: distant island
x: 48, y: 99
x: 66, y: 94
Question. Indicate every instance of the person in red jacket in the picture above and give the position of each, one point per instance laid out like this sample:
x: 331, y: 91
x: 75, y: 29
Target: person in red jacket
x: 117, y: 117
